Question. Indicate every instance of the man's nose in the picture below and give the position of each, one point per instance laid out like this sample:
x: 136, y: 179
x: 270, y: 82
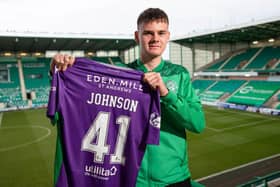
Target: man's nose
x: 155, y: 37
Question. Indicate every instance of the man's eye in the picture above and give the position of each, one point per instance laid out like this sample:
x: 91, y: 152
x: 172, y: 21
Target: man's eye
x: 147, y: 33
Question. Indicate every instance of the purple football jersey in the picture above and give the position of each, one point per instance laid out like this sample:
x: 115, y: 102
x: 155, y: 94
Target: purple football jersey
x: 107, y: 116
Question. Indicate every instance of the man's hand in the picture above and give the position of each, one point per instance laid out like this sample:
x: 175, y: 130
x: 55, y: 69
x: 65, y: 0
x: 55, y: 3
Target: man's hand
x: 155, y: 81
x: 62, y: 62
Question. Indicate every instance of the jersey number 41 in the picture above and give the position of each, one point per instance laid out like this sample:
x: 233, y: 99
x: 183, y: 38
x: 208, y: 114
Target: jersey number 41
x: 99, y: 131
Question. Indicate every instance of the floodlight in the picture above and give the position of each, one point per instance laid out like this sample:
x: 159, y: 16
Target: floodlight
x: 23, y: 54
x: 37, y: 54
x: 7, y: 54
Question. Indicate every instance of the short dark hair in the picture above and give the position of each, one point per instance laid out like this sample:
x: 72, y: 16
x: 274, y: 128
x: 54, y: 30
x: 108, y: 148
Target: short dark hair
x: 152, y: 14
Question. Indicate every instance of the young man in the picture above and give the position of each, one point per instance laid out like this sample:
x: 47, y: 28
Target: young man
x: 181, y: 110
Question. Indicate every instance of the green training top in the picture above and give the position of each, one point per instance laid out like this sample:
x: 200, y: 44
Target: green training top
x: 180, y: 110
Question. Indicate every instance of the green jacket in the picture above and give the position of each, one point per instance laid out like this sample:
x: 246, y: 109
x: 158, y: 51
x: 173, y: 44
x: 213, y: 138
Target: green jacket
x: 181, y: 110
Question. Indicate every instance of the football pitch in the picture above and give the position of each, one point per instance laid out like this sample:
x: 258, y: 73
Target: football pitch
x: 231, y: 138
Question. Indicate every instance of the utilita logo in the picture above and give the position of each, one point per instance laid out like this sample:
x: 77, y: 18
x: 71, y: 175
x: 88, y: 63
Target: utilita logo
x: 100, y: 172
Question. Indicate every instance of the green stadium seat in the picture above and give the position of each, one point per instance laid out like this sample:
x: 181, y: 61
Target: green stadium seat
x: 218, y: 89
x: 278, y: 66
x: 201, y: 85
x: 8, y: 66
x: 116, y: 59
x: 267, y: 54
x: 211, y: 96
x: 8, y: 60
x: 227, y: 85
x: 35, y: 73
x: 216, y: 66
x: 102, y: 59
x: 235, y: 61
x: 255, y: 93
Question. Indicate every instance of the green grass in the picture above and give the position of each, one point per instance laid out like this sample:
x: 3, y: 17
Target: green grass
x: 27, y: 143
x: 232, y: 138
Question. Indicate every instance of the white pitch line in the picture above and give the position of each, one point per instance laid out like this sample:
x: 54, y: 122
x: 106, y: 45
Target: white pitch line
x: 246, y: 124
x: 27, y: 143
x: 213, y: 129
x: 244, y: 113
x: 239, y: 126
x: 229, y: 115
x: 238, y: 167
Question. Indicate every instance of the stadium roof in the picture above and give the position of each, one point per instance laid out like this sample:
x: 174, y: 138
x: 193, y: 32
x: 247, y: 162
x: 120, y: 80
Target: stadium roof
x: 252, y: 31
x: 39, y: 42
x: 28, y: 41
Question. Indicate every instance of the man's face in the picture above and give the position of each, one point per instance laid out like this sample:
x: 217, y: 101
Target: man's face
x: 152, y: 38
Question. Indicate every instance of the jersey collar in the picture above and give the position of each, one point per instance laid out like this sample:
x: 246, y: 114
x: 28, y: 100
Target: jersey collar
x: 141, y: 66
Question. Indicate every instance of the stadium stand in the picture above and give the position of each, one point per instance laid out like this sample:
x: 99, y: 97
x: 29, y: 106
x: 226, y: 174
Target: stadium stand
x: 265, y: 56
x: 9, y: 72
x: 235, y: 61
x: 36, y: 79
x: 102, y: 59
x: 247, y: 77
x: 35, y: 72
x: 108, y: 60
x: 215, y: 66
x: 278, y: 66
x: 34, y: 85
x: 201, y: 85
x: 10, y: 93
x: 251, y: 59
x: 219, y: 89
x: 116, y: 59
x: 228, y: 85
x: 255, y: 93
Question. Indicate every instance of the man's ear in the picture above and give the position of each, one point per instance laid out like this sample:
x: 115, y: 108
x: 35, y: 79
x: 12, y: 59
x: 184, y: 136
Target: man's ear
x: 136, y: 37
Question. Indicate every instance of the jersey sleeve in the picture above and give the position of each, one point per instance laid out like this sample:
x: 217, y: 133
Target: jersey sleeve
x: 154, y: 119
x: 185, y: 107
x: 52, y: 108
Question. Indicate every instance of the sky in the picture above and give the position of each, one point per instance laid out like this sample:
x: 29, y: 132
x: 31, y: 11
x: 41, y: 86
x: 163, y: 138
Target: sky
x: 118, y: 17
